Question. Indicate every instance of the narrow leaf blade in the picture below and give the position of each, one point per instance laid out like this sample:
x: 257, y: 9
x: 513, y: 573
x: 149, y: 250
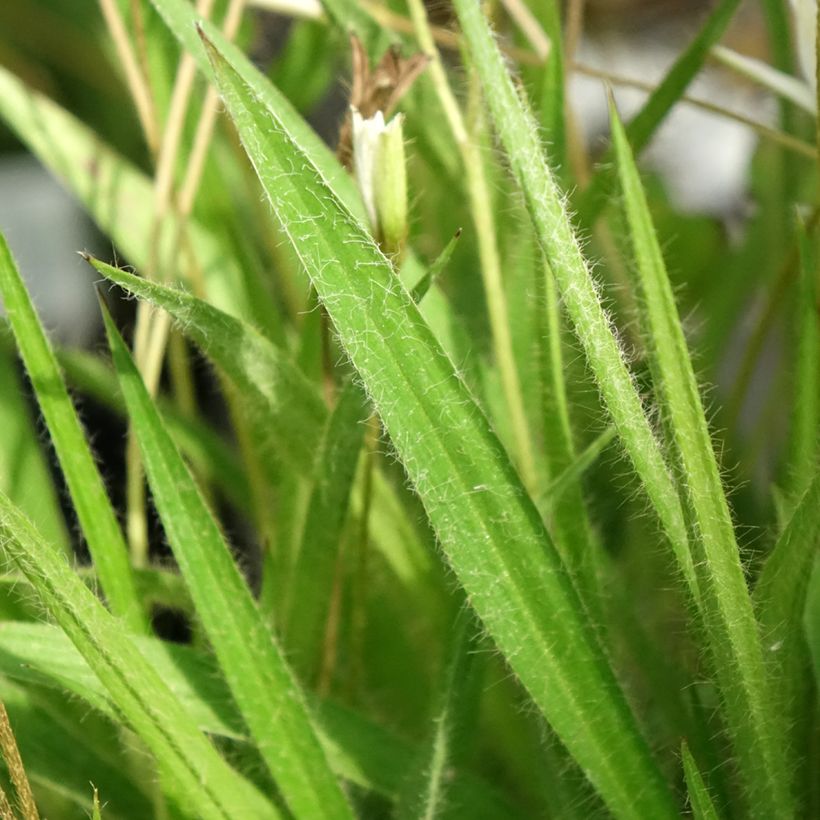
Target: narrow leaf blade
x: 699, y: 798
x: 311, y: 586
x: 262, y: 685
x: 780, y: 597
x: 278, y: 396
x: 660, y: 103
x: 520, y: 138
x: 94, y: 510
x: 201, y: 778
x: 731, y: 628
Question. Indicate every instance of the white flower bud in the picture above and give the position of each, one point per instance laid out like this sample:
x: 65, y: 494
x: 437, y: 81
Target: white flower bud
x: 378, y: 157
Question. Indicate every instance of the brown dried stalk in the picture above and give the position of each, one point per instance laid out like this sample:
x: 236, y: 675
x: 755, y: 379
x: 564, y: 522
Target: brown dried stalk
x: 379, y: 89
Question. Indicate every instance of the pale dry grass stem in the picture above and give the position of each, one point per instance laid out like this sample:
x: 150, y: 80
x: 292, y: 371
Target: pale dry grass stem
x: 17, y: 772
x: 134, y: 77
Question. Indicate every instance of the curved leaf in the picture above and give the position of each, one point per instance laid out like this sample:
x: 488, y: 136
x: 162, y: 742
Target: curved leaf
x: 264, y: 689
x: 96, y: 515
x: 201, y: 779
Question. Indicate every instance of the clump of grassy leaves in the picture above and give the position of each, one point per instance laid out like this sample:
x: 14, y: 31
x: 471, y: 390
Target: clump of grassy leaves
x: 493, y: 564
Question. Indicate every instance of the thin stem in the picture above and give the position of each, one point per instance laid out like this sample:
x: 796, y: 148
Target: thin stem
x: 529, y: 25
x: 205, y: 127
x: 140, y: 42
x: 574, y: 28
x: 330, y: 642
x: 152, y: 328
x: 137, y: 84
x: 16, y: 770
x: 181, y: 377
x: 788, y: 141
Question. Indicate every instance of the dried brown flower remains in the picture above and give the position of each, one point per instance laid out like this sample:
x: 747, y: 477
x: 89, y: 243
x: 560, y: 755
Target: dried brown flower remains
x: 377, y: 89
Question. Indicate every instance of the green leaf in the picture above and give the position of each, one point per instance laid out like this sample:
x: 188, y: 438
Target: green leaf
x: 40, y: 654
x: 699, y: 798
x: 804, y: 432
x: 24, y: 475
x: 311, y: 586
x: 206, y: 450
x: 199, y: 777
x: 267, y: 696
x: 434, y: 271
x: 731, y: 629
x: 573, y: 473
x: 97, y: 518
x: 425, y: 795
x: 472, y: 495
x: 579, y: 293
x: 780, y: 602
x: 285, y: 406
x: 359, y: 750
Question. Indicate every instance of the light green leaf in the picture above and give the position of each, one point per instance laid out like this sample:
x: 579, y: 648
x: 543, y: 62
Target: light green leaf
x: 63, y: 747
x: 199, y: 778
x: 97, y: 518
x: 699, y: 798
x: 24, y: 475
x: 434, y: 271
x: 284, y: 405
x: 574, y: 472
x: 731, y: 629
x: 360, y: 751
x: 804, y: 431
x: 264, y: 689
x: 311, y: 586
x: 519, y: 136
x: 772, y: 79
x: 473, y: 497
